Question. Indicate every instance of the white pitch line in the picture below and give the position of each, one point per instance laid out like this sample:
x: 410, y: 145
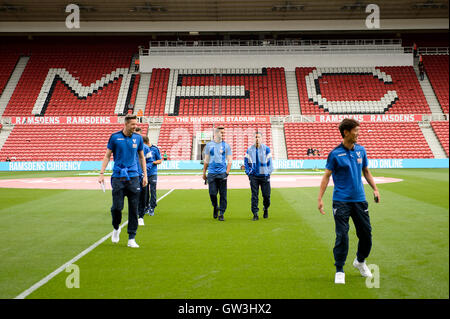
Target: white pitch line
x: 46, y: 279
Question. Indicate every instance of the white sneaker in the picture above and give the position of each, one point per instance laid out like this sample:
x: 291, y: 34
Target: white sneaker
x: 115, y: 236
x: 362, y: 267
x: 141, y: 222
x: 132, y: 243
x: 339, y: 278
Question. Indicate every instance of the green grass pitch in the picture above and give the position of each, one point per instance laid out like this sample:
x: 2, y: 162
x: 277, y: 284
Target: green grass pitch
x: 186, y: 254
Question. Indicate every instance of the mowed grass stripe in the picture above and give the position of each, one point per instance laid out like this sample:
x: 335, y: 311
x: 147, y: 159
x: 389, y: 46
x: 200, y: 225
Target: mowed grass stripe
x: 41, y: 234
x: 428, y: 185
x: 186, y: 254
x: 410, y: 244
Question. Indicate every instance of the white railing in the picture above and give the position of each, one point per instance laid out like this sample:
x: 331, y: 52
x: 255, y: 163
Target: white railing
x: 271, y: 42
x: 436, y: 50
x: 370, y: 46
x: 166, y: 51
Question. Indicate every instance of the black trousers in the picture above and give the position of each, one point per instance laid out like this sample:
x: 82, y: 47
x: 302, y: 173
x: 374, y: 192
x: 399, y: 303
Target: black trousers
x: 131, y: 189
x: 143, y: 200
x: 257, y: 182
x: 217, y: 183
x: 359, y: 213
x: 152, y: 181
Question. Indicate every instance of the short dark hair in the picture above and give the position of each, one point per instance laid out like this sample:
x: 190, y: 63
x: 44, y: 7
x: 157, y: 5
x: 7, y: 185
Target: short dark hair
x: 146, y: 140
x: 130, y: 117
x: 347, y: 125
x: 138, y: 129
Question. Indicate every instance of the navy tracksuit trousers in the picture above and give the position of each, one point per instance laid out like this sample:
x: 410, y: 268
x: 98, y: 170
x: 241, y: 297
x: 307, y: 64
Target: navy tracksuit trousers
x: 152, y: 180
x: 147, y: 198
x: 255, y: 183
x: 143, y: 200
x: 359, y: 213
x: 120, y: 189
x: 217, y: 183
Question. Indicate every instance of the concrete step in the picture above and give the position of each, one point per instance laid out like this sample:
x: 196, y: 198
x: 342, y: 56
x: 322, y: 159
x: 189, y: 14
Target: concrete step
x: 432, y: 140
x: 279, y: 142
x: 4, y: 134
x: 142, y: 93
x: 292, y: 93
x: 153, y: 133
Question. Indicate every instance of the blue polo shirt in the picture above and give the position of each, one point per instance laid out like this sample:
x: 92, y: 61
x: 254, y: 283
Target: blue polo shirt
x: 140, y: 172
x: 151, y: 154
x: 125, y: 151
x: 218, y: 153
x: 346, y: 167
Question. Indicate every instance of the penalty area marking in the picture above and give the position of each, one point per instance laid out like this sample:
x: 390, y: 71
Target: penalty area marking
x: 46, y: 279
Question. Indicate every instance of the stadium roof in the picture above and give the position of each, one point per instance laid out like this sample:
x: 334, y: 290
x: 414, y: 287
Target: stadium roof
x: 219, y: 10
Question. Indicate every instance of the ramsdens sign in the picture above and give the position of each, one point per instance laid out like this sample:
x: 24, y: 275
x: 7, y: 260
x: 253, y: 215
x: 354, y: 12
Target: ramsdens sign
x: 370, y: 117
x: 64, y: 120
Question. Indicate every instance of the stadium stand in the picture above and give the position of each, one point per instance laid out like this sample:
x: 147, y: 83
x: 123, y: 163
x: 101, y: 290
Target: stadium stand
x: 441, y: 130
x: 59, y: 142
x: 357, y: 90
x: 236, y: 91
x: 177, y: 139
x: 157, y: 92
x: 93, y: 79
x: 68, y: 81
x: 436, y: 67
x: 7, y: 62
x: 381, y: 140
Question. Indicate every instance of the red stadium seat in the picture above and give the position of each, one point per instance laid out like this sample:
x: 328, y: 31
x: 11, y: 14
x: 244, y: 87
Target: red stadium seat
x: 86, y: 65
x: 62, y: 142
x: 441, y: 129
x: 267, y: 94
x: 8, y: 61
x: 405, y: 140
x: 355, y: 86
x: 436, y: 67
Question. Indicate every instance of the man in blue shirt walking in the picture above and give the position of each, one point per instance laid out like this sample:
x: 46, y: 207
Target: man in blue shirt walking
x: 143, y: 196
x: 124, y: 145
x: 218, y: 160
x: 153, y: 159
x: 345, y: 164
x: 258, y: 166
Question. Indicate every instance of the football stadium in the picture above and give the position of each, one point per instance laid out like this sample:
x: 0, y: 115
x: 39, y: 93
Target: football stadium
x: 230, y: 96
